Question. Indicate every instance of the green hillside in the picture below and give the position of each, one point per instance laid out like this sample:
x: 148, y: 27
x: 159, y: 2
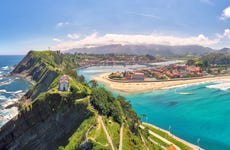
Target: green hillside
x: 83, y: 117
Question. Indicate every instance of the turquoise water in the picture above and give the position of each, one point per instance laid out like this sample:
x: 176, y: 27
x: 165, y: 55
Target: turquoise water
x: 11, y: 88
x: 203, y: 114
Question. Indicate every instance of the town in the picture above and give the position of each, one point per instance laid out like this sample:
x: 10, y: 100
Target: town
x: 172, y: 71
x: 87, y: 60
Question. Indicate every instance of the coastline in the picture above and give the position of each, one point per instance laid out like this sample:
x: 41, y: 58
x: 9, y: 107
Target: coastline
x: 24, y: 76
x: 143, y: 87
x: 193, y: 146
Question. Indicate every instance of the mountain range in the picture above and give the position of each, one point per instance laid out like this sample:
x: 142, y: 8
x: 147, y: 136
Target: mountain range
x: 160, y: 50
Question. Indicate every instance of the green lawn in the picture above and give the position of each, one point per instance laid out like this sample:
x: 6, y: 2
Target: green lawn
x: 98, y: 135
x: 114, y: 130
x: 166, y: 136
x: 131, y: 141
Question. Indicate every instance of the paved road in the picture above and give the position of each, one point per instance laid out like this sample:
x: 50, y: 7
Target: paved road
x: 161, y: 138
x: 195, y: 147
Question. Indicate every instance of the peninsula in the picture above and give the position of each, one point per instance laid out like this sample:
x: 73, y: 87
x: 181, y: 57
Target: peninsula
x: 209, y: 68
x: 63, y: 111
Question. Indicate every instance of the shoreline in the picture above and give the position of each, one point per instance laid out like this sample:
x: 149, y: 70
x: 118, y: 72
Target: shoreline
x: 193, y: 146
x: 24, y: 76
x: 144, y: 87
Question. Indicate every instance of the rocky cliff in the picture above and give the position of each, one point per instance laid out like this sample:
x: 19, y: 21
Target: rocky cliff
x: 48, y: 123
x: 49, y: 118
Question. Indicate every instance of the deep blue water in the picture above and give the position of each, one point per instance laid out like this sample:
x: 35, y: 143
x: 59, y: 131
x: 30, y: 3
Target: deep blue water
x: 11, y: 88
x: 204, y: 114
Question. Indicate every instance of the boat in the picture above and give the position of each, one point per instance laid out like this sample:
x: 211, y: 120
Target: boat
x: 185, y: 93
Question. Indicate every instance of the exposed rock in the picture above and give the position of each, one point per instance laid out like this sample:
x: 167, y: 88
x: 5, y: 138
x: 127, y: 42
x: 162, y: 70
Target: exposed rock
x: 45, y: 126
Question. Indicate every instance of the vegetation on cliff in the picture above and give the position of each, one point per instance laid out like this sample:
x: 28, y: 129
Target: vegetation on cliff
x: 82, y: 117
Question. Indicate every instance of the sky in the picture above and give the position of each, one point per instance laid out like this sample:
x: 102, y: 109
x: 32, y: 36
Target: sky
x: 65, y: 24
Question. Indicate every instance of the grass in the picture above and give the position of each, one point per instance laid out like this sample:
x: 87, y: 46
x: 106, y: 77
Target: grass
x: 114, y: 130
x: 98, y: 135
x: 150, y: 144
x: 79, y: 136
x: 160, y: 142
x: 169, y: 138
x: 131, y: 141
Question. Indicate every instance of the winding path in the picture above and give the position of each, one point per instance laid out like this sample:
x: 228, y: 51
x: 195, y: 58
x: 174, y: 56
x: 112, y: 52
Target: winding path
x: 161, y: 138
x: 121, y: 137
x: 106, y: 132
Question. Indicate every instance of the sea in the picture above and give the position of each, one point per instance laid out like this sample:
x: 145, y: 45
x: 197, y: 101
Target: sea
x: 11, y: 88
x: 198, y: 113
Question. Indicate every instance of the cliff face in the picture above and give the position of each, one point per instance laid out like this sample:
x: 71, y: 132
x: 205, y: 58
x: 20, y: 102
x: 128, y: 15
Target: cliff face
x: 48, y: 124
x: 50, y: 118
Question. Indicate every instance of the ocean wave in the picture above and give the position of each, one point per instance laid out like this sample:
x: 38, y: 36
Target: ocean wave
x: 184, y: 85
x: 5, y: 68
x: 2, y: 97
x: 8, y: 102
x: 11, y: 92
x: 221, y: 86
x: 6, y: 82
x: 7, y: 114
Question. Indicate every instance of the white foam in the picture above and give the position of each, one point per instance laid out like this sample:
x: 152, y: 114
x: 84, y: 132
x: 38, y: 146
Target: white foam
x: 224, y: 86
x: 8, y: 102
x: 184, y: 85
x: 2, y: 97
x: 3, y: 91
x: 11, y: 92
x: 7, y: 114
x: 5, y: 68
x: 6, y: 82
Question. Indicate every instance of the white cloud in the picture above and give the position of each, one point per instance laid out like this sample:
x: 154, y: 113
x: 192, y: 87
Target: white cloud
x: 95, y: 40
x: 207, y: 2
x: 144, y: 15
x: 61, y: 24
x: 227, y: 33
x: 225, y: 13
x: 56, y: 40
x: 73, y: 36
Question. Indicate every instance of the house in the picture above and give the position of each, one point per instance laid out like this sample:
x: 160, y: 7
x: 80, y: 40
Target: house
x: 138, y: 76
x: 63, y: 83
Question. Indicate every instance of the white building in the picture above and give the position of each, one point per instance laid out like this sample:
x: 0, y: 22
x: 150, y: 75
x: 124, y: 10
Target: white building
x: 63, y: 83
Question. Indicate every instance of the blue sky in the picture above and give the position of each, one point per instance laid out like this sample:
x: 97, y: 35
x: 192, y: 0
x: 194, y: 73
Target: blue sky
x: 64, y: 24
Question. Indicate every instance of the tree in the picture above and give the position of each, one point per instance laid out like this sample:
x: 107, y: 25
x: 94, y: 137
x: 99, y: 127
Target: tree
x: 81, y: 79
x: 99, y: 100
x: 150, y: 57
x: 190, y: 62
x: 93, y: 83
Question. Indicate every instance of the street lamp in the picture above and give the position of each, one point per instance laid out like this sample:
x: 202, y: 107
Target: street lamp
x: 198, y: 142
x: 170, y: 129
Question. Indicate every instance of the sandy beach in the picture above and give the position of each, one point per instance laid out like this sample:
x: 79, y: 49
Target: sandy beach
x: 142, y: 87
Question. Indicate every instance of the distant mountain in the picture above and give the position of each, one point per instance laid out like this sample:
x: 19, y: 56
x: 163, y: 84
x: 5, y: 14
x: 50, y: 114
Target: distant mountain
x: 162, y: 50
x: 224, y: 50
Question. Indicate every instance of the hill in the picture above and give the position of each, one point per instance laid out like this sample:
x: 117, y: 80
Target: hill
x: 156, y: 50
x: 83, y: 117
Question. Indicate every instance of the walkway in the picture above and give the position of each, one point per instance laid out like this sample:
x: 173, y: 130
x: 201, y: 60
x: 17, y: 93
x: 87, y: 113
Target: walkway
x: 195, y: 147
x: 106, y: 132
x: 161, y: 138
x: 121, y: 137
